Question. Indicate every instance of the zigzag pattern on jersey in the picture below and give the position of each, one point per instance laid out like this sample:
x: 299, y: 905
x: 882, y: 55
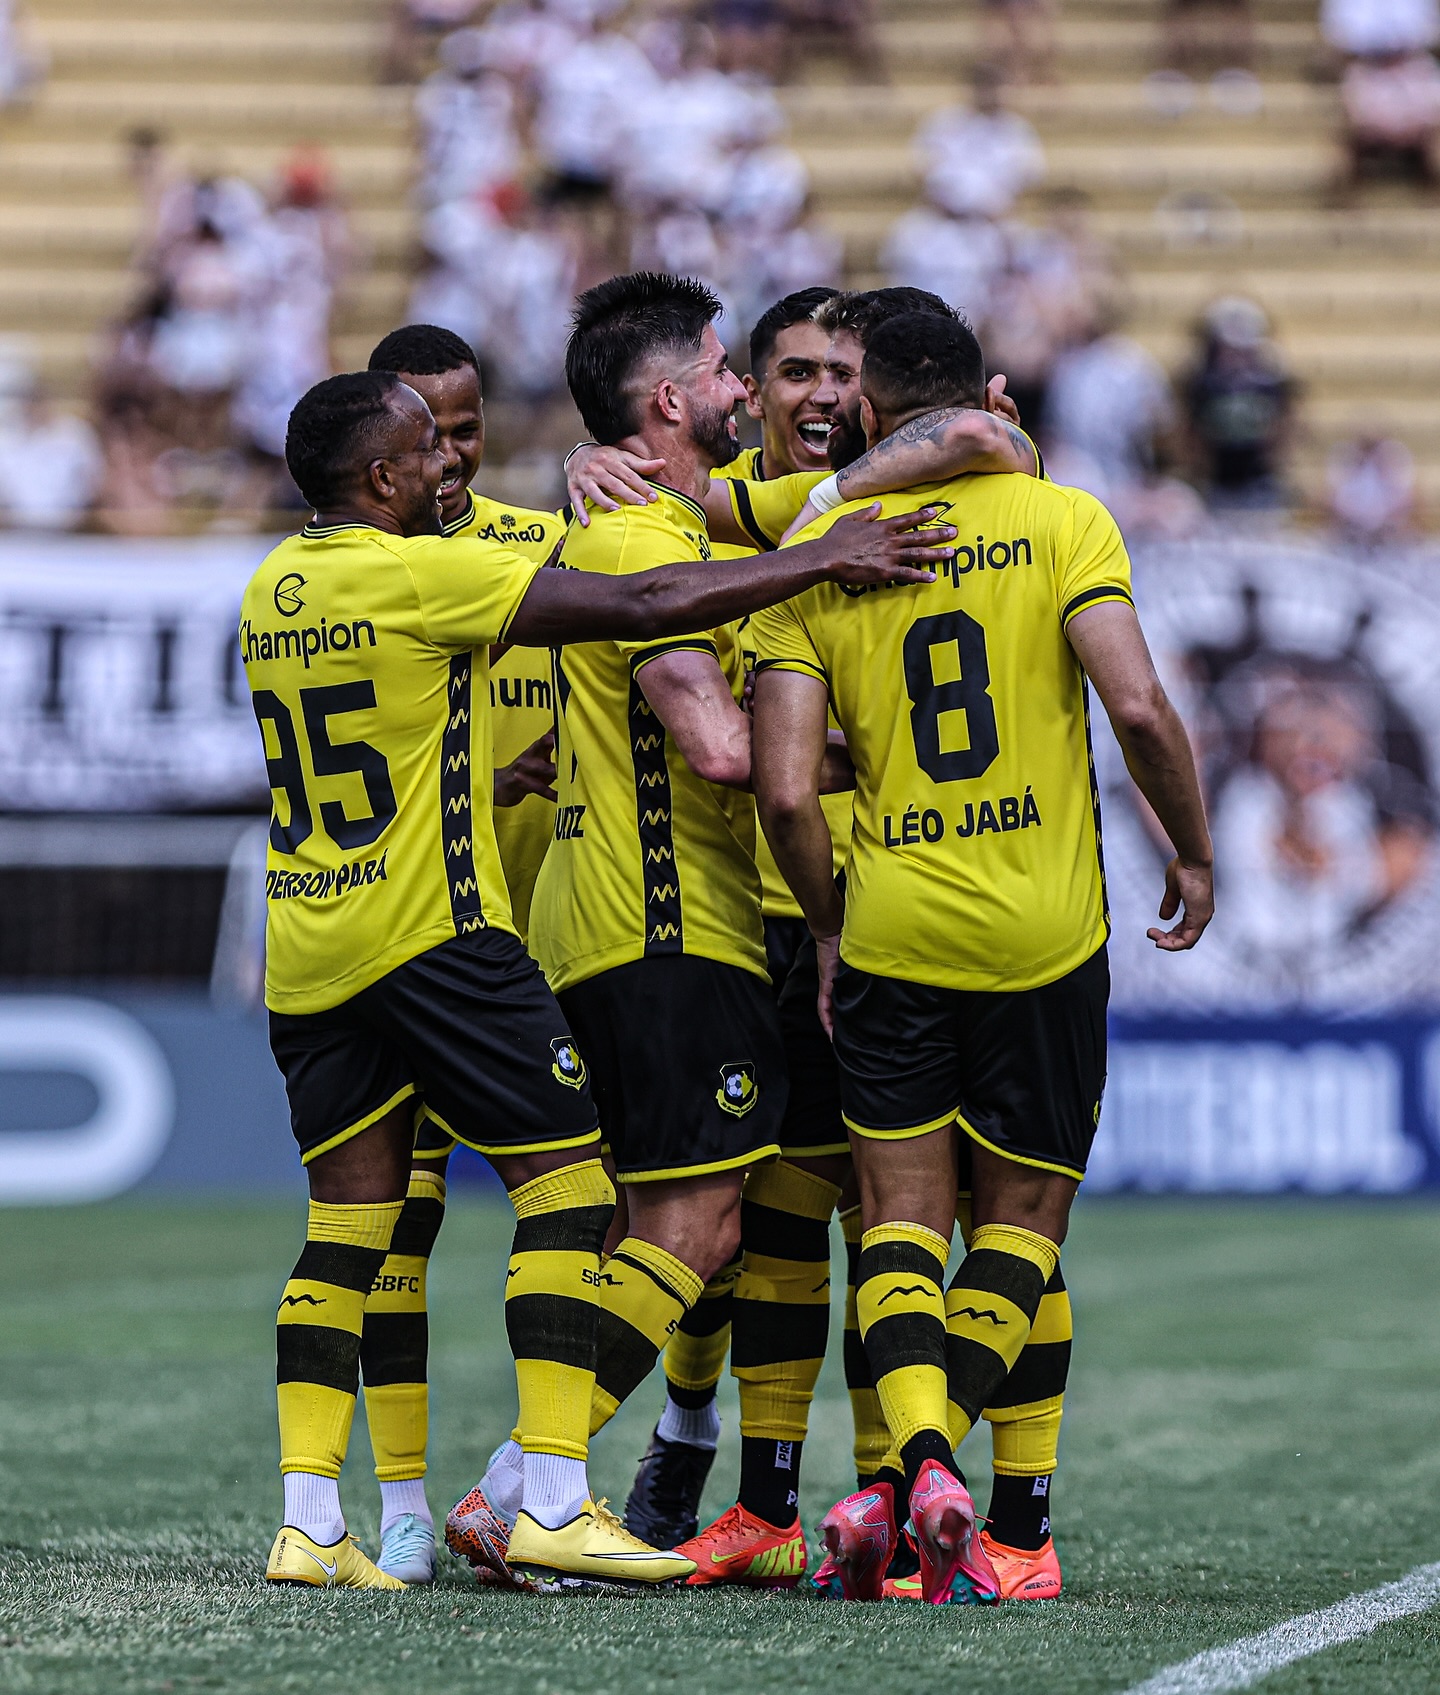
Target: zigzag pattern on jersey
x: 654, y: 808
x: 457, y: 823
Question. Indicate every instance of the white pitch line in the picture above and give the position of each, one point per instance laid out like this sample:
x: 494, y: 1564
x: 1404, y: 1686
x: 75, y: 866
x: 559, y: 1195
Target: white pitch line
x: 1237, y: 1665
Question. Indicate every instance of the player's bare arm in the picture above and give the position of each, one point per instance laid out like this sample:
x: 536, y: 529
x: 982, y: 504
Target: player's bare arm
x: 790, y: 751
x: 672, y: 600
x: 693, y: 701
x: 1111, y: 646
x: 947, y: 443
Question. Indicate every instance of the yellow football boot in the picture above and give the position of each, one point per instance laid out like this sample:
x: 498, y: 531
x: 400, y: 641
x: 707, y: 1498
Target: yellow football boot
x: 593, y: 1550
x: 296, y: 1558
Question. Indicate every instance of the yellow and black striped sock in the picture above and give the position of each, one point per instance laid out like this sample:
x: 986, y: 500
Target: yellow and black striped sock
x: 552, y: 1303
x: 395, y: 1342
x: 989, y: 1309
x: 695, y: 1354
x: 317, y: 1351
x: 1024, y: 1417
x: 900, y: 1298
x: 872, y: 1434
x: 644, y: 1293
x: 782, y: 1323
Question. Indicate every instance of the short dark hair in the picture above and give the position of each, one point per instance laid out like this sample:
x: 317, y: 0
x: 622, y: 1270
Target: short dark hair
x: 617, y: 325
x: 424, y: 350
x: 335, y: 430
x: 797, y: 308
x: 861, y: 312
x: 920, y: 361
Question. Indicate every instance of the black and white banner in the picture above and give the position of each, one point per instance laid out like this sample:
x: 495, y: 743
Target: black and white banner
x: 121, y: 687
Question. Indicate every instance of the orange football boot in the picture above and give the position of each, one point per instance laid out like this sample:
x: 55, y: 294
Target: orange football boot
x: 1025, y: 1574
x: 740, y: 1548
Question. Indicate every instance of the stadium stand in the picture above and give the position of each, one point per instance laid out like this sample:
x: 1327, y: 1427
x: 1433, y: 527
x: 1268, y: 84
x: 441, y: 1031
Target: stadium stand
x: 234, y: 85
x: 1198, y: 196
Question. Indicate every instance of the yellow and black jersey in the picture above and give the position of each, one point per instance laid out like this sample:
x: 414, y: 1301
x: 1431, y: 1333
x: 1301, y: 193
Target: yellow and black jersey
x: 521, y: 697
x: 748, y: 467
x: 975, y: 861
x: 766, y: 509
x: 367, y: 656
x: 647, y: 858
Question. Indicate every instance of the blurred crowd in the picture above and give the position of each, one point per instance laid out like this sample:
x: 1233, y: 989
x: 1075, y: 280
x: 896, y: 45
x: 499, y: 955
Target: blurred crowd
x: 560, y: 141
x: 229, y: 324
x: 566, y: 140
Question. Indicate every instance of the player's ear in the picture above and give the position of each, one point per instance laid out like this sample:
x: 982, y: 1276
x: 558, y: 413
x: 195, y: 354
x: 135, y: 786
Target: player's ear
x: 869, y: 422
x: 669, y: 401
x: 753, y: 404
x: 380, y: 478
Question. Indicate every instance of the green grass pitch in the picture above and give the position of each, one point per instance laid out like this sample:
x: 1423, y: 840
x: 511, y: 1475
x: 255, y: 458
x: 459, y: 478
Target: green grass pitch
x: 1252, y: 1433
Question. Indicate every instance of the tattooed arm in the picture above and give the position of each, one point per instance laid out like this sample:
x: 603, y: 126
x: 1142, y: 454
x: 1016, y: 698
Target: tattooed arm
x: 947, y: 443
x: 953, y: 442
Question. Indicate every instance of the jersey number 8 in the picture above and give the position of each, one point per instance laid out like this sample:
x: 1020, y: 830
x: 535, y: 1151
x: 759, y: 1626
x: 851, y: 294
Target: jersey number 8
x: 968, y: 692
x: 328, y: 759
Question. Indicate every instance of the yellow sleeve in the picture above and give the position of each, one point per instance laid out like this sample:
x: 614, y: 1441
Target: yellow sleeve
x: 766, y: 510
x: 651, y: 540
x: 782, y: 643
x: 1093, y: 567
x: 468, y: 590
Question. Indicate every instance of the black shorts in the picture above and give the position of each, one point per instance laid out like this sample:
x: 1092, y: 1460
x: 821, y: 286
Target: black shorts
x: 813, y: 1123
x: 1023, y: 1072
x: 469, y: 1027
x: 686, y: 1064
x: 784, y: 938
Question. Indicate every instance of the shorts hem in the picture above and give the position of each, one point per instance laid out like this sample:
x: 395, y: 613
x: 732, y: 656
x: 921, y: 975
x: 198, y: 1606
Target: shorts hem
x: 905, y: 1133
x: 342, y: 1136
x: 755, y: 1156
x: 1020, y: 1159
x: 499, y: 1149
x: 807, y: 1151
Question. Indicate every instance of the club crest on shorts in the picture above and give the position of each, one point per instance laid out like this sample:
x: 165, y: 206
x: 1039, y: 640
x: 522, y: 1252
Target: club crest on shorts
x: 738, y: 1090
x: 568, y: 1068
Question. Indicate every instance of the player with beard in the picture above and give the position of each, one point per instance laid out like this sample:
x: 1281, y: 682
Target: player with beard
x: 392, y: 967
x: 647, y: 912
x: 787, y: 354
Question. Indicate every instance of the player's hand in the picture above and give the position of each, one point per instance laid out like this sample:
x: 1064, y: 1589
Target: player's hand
x: 1191, y: 887
x: 827, y: 954
x: 1000, y: 403
x: 532, y: 773
x: 866, y: 548
x: 606, y: 476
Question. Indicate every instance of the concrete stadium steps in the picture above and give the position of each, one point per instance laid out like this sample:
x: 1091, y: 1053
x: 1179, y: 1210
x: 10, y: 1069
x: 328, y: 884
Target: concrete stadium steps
x: 39, y: 234
x: 1087, y: 42
x: 92, y: 173
x: 1119, y: 111
x: 115, y: 44
x: 1351, y: 292
x: 215, y: 110
x: 234, y: 85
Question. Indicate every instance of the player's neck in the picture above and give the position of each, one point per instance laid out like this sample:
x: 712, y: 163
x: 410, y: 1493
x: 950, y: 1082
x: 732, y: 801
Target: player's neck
x: 359, y: 512
x: 687, y: 470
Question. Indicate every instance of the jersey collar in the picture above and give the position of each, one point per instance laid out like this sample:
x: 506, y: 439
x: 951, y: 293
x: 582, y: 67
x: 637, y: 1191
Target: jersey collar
x: 314, y: 531
x: 684, y: 499
x: 457, y: 524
